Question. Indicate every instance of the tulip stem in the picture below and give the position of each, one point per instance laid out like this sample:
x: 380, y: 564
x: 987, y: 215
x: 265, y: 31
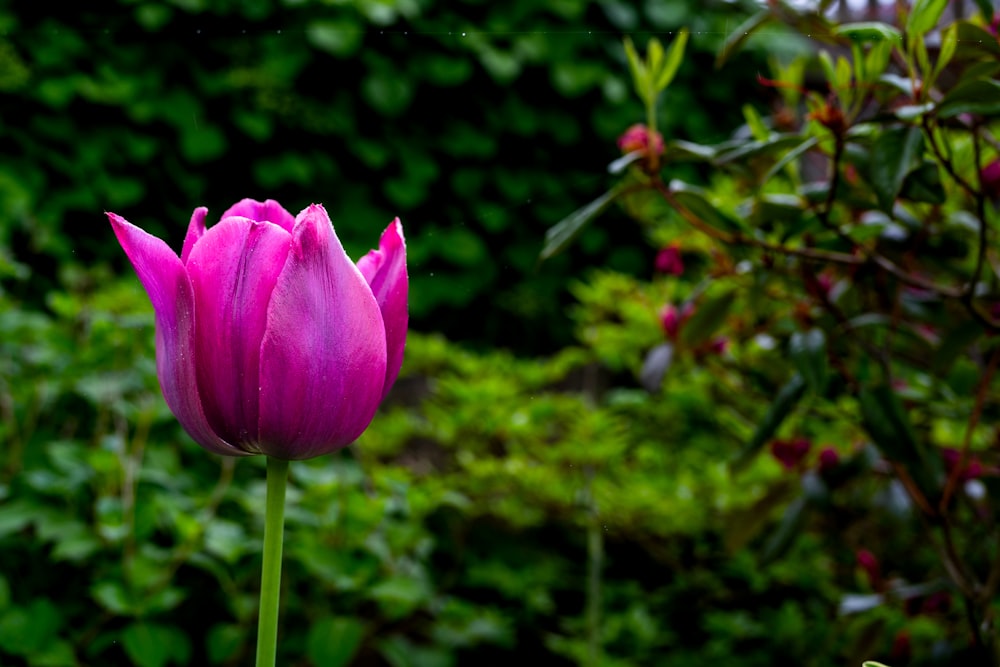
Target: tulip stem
x: 270, y: 580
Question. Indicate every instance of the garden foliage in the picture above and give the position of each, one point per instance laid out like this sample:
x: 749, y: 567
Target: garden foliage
x: 774, y: 441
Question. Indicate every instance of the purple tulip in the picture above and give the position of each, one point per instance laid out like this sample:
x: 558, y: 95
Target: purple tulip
x: 269, y: 340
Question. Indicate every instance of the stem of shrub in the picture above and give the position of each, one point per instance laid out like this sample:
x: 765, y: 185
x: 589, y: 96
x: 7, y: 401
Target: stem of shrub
x: 270, y: 580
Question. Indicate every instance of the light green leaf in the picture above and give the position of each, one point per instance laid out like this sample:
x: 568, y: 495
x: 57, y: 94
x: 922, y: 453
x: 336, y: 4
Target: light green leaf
x: 924, y: 16
x: 674, y: 58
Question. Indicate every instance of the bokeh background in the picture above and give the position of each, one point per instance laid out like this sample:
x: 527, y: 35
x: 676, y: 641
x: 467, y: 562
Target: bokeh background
x: 520, y: 495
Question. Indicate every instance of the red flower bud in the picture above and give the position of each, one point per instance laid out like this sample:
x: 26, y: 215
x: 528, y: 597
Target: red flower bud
x: 828, y: 459
x: 637, y: 138
x: 790, y: 453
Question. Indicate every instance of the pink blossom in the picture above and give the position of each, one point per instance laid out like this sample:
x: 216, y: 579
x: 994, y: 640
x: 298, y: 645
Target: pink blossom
x: 269, y: 339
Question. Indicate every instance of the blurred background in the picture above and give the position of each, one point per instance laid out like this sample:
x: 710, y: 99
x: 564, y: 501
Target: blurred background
x: 520, y: 495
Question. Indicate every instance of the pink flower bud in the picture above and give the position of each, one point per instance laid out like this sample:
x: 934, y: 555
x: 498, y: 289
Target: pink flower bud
x: 668, y: 260
x: 637, y: 138
x: 990, y: 177
x: 670, y: 319
x: 972, y: 468
x: 869, y: 563
x: 719, y: 345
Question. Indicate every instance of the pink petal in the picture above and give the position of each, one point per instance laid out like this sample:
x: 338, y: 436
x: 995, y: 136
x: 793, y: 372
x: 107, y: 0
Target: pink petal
x: 196, y: 229
x: 265, y: 211
x: 233, y: 270
x: 385, y: 271
x: 323, y: 356
x: 163, y: 275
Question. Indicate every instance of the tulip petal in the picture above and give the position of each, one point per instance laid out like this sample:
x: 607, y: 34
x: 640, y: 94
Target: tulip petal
x: 385, y: 271
x: 262, y: 211
x: 196, y: 229
x: 323, y: 356
x: 233, y: 270
x: 166, y: 281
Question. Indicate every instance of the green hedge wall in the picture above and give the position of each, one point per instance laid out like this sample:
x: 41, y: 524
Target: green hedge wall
x: 479, y: 124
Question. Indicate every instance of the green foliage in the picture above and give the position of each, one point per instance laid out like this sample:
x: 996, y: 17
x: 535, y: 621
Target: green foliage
x: 472, y: 122
x: 836, y: 281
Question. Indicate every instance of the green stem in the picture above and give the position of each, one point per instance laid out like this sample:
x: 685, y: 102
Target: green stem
x: 595, y: 557
x: 270, y: 580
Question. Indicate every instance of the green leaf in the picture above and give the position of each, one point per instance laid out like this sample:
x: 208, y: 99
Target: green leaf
x: 709, y: 316
x: 808, y: 352
x: 980, y: 96
x: 924, y: 184
x: 399, y: 596
x: 885, y: 419
x: 758, y: 129
x: 640, y: 76
x: 924, y: 16
x: 152, y: 645
x: 333, y: 641
x: 741, y: 34
x: 954, y: 343
x: 788, y: 396
x: 949, y: 41
x: 224, y: 641
x: 694, y: 200
x: 790, y: 157
x: 869, y: 31
x: 986, y: 7
x: 894, y: 154
x: 561, y: 234
x: 674, y: 58
x: 338, y: 37
x: 786, y: 532
x: 678, y: 149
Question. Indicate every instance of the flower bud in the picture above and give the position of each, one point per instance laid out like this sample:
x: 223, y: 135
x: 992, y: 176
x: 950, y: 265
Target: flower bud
x: 669, y: 260
x: 790, y: 453
x: 639, y: 138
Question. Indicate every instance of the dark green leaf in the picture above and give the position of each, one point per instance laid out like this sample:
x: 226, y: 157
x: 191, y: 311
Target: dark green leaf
x: 895, y: 153
x: 333, y: 641
x: 786, y: 532
x: 788, y: 396
x: 808, y: 352
x: 790, y: 156
x: 986, y: 7
x: 152, y: 645
x: 869, y: 31
x: 888, y: 424
x: 740, y: 35
x: 695, y: 201
x: 560, y: 235
x: 707, y: 319
x: 980, y: 96
x: 679, y: 149
x: 924, y: 184
x: 953, y: 343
